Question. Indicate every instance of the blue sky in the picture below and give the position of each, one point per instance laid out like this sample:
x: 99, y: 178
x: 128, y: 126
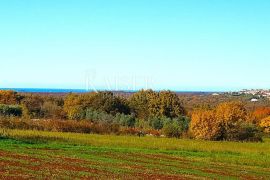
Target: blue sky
x: 133, y: 44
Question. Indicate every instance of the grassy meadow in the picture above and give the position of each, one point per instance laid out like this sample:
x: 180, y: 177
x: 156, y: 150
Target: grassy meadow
x: 39, y: 155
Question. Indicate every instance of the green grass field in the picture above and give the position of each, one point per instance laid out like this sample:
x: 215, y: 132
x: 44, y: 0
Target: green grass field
x: 53, y: 155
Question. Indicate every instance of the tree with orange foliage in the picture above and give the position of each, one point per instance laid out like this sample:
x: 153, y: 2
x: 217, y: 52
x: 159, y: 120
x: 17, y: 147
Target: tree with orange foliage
x: 9, y: 97
x: 260, y: 113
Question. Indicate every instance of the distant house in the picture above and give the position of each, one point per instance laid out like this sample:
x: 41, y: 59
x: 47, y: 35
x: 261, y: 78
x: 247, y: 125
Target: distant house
x: 215, y: 94
x: 254, y: 100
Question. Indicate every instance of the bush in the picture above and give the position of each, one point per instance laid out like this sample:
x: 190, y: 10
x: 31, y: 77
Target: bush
x: 172, y: 129
x: 105, y: 128
x: 81, y: 126
x: 244, y: 132
x: 183, y: 122
x: 103, y: 117
x: 125, y: 120
x: 76, y: 113
x: 142, y: 124
x: 33, y: 106
x: 52, y: 110
x: 63, y: 126
x: 10, y: 110
x: 156, y: 123
x: 98, y: 116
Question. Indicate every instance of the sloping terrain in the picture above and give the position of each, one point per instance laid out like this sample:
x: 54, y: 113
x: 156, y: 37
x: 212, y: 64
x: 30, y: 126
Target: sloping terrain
x: 23, y: 157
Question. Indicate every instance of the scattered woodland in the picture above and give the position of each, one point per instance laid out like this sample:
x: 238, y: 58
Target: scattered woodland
x: 146, y: 112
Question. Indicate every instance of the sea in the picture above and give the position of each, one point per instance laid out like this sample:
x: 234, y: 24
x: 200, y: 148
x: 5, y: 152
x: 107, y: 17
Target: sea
x: 45, y: 90
x: 49, y: 90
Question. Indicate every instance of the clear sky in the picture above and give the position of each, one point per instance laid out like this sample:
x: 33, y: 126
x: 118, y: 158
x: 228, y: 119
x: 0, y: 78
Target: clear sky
x: 124, y: 44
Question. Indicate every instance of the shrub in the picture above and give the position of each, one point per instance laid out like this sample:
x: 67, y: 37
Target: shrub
x: 172, y: 129
x: 10, y: 110
x: 63, y: 126
x: 81, y: 126
x: 92, y: 115
x: 33, y: 106
x: 125, y: 120
x: 98, y: 116
x: 167, y: 124
x: 142, y: 124
x: 183, y: 122
x: 76, y: 113
x: 52, y: 110
x: 105, y: 128
x: 156, y: 123
x: 244, y: 132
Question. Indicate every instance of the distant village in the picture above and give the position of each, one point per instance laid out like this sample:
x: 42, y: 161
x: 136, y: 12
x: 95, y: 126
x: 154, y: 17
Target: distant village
x: 256, y: 93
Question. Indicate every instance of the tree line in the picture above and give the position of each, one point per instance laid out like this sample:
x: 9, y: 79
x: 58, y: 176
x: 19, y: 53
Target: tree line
x: 144, y: 112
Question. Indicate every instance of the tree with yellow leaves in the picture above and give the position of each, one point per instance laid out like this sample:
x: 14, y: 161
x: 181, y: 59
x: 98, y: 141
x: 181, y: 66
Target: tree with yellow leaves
x: 204, y: 125
x: 265, y: 124
x: 228, y: 121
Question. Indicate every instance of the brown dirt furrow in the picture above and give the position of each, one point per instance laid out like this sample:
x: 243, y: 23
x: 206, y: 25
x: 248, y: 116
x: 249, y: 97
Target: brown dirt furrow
x: 18, y: 156
x: 157, y: 176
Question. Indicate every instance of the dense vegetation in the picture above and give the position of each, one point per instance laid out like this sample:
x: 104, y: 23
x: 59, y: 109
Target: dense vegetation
x: 228, y: 121
x: 161, y: 113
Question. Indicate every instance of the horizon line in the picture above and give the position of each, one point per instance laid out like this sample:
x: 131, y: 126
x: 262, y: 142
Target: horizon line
x: 118, y: 90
